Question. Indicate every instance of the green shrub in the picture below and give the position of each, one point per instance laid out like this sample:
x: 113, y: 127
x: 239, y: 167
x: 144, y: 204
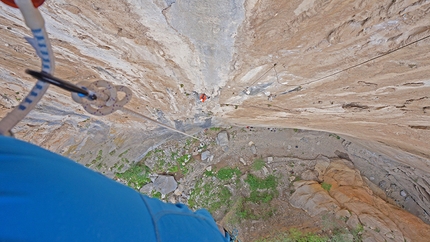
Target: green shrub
x: 326, y: 186
x: 136, y: 176
x: 226, y: 173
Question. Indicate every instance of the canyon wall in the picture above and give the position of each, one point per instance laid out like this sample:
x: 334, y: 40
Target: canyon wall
x: 359, y: 69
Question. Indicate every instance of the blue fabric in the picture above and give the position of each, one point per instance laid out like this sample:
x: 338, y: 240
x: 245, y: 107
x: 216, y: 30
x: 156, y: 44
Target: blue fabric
x: 46, y: 197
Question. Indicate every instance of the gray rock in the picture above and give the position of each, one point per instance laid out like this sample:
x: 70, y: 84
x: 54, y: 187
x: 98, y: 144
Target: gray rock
x: 345, y: 237
x: 309, y: 175
x: 165, y: 184
x: 253, y: 149
x: 211, y: 158
x: 205, y: 155
x: 383, y: 184
x: 265, y: 171
x: 269, y: 159
x: 147, y: 189
x: 153, y: 177
x: 243, y: 161
x: 353, y: 222
x: 222, y: 138
x: 172, y: 199
x: 343, y: 213
x: 403, y: 193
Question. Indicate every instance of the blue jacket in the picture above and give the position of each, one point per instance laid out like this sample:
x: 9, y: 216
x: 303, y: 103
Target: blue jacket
x: 47, y: 197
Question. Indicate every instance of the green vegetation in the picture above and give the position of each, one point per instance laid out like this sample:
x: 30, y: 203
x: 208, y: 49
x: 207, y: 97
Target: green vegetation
x: 136, y: 176
x: 215, y: 128
x: 262, y: 191
x: 326, y: 186
x: 356, y: 233
x: 334, y: 135
x: 208, y: 196
x: 295, y: 235
x: 209, y: 173
x: 99, y: 156
x: 112, y: 152
x: 258, y: 164
x: 226, y: 173
x: 156, y: 194
x: 123, y: 153
x: 182, y: 161
x: 204, y: 147
x: 173, y: 169
x: 257, y: 183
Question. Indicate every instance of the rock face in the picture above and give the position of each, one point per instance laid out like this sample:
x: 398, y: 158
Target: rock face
x: 348, y: 192
x: 165, y: 184
x: 222, y: 138
x: 290, y: 56
x: 355, y: 68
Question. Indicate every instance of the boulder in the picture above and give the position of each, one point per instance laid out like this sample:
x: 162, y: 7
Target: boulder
x: 165, y: 184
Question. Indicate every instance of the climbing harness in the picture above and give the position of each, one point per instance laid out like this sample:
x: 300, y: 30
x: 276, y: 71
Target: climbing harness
x: 97, y: 98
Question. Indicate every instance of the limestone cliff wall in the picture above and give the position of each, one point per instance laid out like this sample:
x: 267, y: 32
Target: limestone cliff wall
x: 355, y: 68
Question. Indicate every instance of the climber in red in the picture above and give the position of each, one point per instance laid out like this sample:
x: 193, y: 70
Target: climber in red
x: 203, y: 97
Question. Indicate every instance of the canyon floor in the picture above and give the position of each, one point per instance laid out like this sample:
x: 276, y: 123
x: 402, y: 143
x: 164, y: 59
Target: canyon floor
x: 273, y: 184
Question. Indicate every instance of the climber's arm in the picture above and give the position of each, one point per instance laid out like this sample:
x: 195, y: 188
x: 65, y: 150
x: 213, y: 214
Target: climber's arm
x: 46, y: 197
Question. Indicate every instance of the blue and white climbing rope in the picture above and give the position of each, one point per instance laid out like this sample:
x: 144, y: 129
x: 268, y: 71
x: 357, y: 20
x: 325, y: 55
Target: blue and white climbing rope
x: 34, y: 20
x: 102, y: 99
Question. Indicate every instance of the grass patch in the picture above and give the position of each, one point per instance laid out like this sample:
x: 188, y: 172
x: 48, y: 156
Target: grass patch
x: 182, y: 162
x: 257, y: 183
x: 156, y: 194
x: 209, y: 173
x: 258, y: 164
x: 356, y: 233
x: 295, y: 235
x: 209, y: 196
x: 226, y: 173
x: 326, y: 186
x: 262, y: 191
x: 136, y: 177
x: 215, y: 128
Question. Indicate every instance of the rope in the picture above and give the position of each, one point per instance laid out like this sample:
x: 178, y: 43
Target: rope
x: 40, y: 42
x: 366, y: 61
x: 107, y: 101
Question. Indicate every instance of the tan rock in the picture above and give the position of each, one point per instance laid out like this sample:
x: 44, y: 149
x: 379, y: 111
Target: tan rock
x: 353, y: 222
x: 344, y: 175
x: 309, y: 175
x: 311, y: 197
x: 381, y: 220
x: 343, y: 213
x: 320, y: 167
